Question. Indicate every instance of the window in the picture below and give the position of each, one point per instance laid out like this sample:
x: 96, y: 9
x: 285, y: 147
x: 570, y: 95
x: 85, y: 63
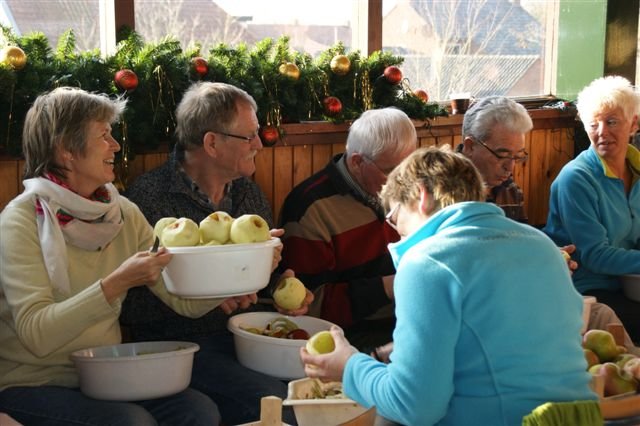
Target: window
x: 53, y: 18
x: 311, y: 26
x: 483, y: 47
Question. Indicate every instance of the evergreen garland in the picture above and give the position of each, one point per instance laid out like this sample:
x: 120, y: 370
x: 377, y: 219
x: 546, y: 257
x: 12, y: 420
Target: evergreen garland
x: 165, y: 71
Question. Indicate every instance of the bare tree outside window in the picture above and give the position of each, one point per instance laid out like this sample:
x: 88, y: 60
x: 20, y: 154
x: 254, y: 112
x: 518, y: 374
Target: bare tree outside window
x: 477, y: 46
x: 189, y: 21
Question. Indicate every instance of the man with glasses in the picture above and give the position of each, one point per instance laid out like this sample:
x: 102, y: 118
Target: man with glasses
x: 209, y: 170
x: 493, y: 132
x: 335, y: 233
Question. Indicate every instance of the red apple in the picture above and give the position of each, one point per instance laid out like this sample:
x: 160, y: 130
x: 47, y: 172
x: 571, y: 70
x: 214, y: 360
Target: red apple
x: 200, y: 65
x: 126, y: 79
x: 421, y: 94
x: 332, y: 106
x: 393, y: 74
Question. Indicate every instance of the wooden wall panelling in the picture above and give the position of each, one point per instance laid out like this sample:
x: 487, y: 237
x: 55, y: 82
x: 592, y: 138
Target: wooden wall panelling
x: 302, y: 163
x: 321, y: 156
x: 9, y: 179
x: 337, y: 148
x: 539, y: 177
x: 264, y: 173
x: 282, y: 177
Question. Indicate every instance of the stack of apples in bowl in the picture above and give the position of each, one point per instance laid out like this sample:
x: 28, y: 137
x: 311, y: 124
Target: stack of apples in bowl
x: 220, y: 257
x: 609, y: 362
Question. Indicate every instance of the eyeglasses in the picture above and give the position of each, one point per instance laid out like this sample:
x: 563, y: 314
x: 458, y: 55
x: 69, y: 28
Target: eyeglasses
x: 392, y: 217
x: 384, y: 172
x: 246, y: 139
x: 505, y: 157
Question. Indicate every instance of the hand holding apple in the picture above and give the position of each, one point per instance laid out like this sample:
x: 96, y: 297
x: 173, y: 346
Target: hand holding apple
x: 289, y: 293
x: 329, y: 366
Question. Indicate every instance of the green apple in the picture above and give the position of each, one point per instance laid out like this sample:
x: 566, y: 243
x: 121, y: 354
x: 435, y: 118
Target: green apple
x: 215, y: 227
x: 622, y: 359
x: 160, y: 225
x: 290, y: 293
x: 320, y: 343
x: 616, y: 381
x: 632, y: 367
x: 602, y: 343
x: 249, y: 228
x: 181, y: 233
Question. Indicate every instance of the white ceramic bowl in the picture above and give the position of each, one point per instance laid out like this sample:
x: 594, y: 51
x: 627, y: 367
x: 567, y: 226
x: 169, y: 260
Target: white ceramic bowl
x: 274, y: 356
x: 219, y: 271
x: 319, y: 412
x: 135, y: 371
x: 631, y: 286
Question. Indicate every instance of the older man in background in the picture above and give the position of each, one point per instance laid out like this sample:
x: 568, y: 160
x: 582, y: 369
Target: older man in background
x: 335, y: 234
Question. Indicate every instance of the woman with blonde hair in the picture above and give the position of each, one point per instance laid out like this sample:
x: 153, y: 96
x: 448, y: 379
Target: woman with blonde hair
x: 595, y: 200
x: 477, y: 295
x: 71, y: 248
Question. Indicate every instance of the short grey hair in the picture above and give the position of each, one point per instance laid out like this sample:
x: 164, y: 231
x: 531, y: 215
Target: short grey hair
x: 377, y: 131
x: 608, y: 93
x: 59, y: 120
x: 207, y: 107
x: 486, y: 113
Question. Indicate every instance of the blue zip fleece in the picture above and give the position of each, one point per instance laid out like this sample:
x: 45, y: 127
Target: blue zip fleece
x: 488, y: 325
x: 588, y: 207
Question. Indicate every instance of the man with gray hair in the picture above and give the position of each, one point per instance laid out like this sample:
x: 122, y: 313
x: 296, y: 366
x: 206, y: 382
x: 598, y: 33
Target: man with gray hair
x: 493, y: 132
x: 335, y: 232
x: 209, y: 170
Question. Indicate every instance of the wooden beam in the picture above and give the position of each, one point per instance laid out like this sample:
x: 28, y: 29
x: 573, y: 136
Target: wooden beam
x: 621, y: 41
x: 124, y: 14
x: 367, y: 28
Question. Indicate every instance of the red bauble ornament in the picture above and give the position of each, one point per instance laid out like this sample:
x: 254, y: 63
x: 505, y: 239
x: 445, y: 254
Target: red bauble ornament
x: 269, y: 135
x: 332, y: 106
x: 421, y: 94
x: 200, y: 66
x: 126, y: 79
x: 393, y: 74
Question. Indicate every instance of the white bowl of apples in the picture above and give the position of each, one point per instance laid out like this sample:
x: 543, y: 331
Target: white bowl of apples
x: 220, y: 257
x: 275, y: 356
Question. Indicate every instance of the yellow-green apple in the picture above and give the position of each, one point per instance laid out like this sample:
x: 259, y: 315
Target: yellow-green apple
x: 632, y: 367
x: 320, y: 343
x: 622, y: 359
x: 249, y: 228
x: 602, y: 343
x: 160, y: 225
x: 290, y: 293
x: 215, y: 227
x: 181, y: 233
x: 616, y: 381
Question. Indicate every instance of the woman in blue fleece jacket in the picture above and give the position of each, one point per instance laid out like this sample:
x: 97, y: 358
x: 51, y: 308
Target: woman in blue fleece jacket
x: 488, y: 323
x: 595, y: 200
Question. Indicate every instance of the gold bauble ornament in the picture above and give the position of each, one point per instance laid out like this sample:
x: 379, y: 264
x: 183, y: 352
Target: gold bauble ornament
x: 290, y: 69
x: 340, y: 64
x: 14, y: 57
